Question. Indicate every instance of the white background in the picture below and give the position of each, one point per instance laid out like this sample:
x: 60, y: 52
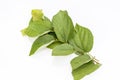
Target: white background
x: 102, y: 17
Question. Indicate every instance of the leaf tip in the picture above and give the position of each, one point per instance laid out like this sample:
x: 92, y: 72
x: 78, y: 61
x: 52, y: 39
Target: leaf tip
x: 23, y: 31
x: 30, y: 54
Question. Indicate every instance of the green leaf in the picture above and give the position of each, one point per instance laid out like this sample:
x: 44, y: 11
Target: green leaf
x: 62, y: 50
x: 83, y: 39
x: 54, y: 44
x: 38, y: 25
x: 85, y: 70
x: 80, y: 60
x: 63, y: 26
x: 74, y: 44
x: 37, y: 14
x: 40, y: 41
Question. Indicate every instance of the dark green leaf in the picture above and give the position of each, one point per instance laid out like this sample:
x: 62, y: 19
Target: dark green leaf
x: 85, y: 69
x: 80, y: 60
x: 38, y: 25
x: 62, y: 50
x: 54, y: 44
x: 63, y: 26
x: 40, y: 41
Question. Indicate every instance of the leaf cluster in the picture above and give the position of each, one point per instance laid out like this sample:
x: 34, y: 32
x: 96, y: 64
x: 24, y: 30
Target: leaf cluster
x: 64, y: 39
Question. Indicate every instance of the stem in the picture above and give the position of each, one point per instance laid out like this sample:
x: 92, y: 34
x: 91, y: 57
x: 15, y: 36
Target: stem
x: 96, y: 61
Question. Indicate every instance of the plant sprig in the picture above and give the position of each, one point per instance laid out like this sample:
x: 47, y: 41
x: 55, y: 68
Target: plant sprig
x: 66, y: 39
